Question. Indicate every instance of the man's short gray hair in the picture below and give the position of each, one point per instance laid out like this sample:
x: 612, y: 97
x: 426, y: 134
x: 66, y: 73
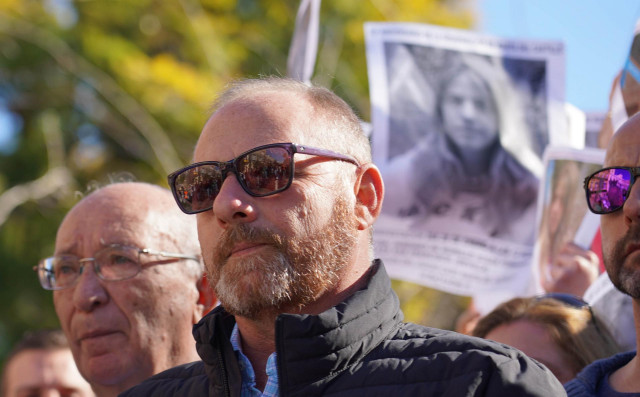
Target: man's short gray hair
x: 342, y: 130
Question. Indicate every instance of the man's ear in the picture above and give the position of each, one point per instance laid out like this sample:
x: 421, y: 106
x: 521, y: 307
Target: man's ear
x: 206, y: 298
x: 369, y: 191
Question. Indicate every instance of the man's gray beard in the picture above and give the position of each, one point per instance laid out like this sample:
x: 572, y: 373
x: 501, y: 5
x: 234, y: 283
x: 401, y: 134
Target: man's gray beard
x: 625, y: 278
x: 292, y: 273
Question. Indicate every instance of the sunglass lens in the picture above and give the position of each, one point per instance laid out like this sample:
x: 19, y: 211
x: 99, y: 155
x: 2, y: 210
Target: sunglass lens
x: 608, y: 190
x: 197, y: 187
x: 265, y: 171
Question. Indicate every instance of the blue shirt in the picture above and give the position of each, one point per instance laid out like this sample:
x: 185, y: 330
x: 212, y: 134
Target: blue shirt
x: 271, y: 389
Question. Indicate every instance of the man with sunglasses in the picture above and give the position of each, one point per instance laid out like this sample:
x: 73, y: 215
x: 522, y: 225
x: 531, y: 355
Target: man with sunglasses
x: 127, y: 285
x: 285, y: 195
x: 612, y: 193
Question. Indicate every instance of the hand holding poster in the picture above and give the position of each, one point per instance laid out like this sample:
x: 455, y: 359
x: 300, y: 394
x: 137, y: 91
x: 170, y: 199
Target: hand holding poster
x: 566, y: 229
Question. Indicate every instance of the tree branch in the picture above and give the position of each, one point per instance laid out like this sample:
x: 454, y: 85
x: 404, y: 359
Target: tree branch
x: 104, y: 84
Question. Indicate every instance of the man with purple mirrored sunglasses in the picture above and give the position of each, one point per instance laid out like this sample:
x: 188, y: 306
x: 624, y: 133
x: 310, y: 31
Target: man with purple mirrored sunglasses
x: 285, y: 196
x: 613, y: 193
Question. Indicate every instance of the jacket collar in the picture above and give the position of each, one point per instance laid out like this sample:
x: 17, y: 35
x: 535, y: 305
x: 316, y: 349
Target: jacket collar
x: 313, y: 347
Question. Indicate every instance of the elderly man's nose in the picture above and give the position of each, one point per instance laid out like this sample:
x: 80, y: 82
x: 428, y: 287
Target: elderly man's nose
x: 89, y: 291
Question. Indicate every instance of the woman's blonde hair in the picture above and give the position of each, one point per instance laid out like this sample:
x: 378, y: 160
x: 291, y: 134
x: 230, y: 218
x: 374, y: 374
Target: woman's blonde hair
x: 581, y: 337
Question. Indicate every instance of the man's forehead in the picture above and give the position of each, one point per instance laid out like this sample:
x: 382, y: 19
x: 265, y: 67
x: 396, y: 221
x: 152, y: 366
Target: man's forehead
x: 624, y: 149
x: 86, y: 229
x: 39, y: 360
x: 250, y: 122
x: 87, y: 241
x: 40, y: 368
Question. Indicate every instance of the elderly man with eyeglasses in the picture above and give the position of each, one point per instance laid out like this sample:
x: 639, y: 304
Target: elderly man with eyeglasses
x: 613, y: 194
x: 286, y: 196
x: 127, y: 285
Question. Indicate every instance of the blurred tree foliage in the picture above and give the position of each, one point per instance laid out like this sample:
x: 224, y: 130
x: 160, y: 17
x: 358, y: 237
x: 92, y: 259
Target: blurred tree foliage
x: 92, y: 89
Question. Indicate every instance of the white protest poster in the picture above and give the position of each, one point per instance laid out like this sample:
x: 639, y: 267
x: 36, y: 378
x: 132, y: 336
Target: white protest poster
x: 459, y: 124
x: 563, y: 216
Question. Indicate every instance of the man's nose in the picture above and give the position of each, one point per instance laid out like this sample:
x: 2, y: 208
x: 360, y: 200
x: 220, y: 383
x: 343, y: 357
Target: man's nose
x: 233, y: 204
x: 89, y: 291
x: 631, y: 208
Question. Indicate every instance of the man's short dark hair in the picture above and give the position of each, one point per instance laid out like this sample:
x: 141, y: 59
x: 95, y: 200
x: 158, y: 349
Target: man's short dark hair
x: 44, y: 339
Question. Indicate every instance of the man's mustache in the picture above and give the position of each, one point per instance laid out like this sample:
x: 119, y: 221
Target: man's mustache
x: 246, y: 234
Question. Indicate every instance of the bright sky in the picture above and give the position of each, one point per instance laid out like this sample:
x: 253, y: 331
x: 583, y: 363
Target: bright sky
x: 597, y: 36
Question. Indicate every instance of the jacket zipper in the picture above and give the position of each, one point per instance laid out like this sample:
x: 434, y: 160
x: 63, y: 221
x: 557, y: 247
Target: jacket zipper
x: 280, y: 356
x: 225, y: 376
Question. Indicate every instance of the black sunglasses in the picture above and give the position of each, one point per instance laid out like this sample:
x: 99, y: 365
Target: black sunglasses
x: 607, y: 189
x: 261, y: 171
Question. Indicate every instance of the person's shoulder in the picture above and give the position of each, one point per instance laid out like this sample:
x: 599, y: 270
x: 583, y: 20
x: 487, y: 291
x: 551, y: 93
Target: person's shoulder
x: 439, y: 341
x: 586, y: 382
x: 184, y: 380
x: 446, y: 356
x: 608, y: 364
x: 578, y: 388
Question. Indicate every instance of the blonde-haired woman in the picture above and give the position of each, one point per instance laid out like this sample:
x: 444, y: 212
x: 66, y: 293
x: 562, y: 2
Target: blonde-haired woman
x: 558, y: 330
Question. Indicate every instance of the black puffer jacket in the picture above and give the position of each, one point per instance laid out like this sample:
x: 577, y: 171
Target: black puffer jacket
x: 360, y: 347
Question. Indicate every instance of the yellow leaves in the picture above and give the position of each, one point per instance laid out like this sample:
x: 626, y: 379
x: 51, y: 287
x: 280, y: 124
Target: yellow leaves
x: 428, y: 306
x: 347, y: 7
x: 108, y: 49
x: 162, y: 78
x: 136, y: 68
x: 354, y: 31
x: 18, y: 6
x: 184, y: 79
x: 220, y: 5
x: 226, y: 26
x: 423, y: 11
x: 279, y: 13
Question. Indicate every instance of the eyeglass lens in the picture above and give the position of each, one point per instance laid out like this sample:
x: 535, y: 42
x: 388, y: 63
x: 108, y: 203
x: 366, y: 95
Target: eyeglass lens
x: 608, y: 189
x: 260, y: 173
x: 113, y: 263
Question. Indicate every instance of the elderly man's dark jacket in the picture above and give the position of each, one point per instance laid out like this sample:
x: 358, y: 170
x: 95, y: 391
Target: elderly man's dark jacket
x: 360, y: 347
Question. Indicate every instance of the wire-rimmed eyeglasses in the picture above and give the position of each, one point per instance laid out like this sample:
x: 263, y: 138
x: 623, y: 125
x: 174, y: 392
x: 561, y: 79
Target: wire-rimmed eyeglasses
x: 112, y: 263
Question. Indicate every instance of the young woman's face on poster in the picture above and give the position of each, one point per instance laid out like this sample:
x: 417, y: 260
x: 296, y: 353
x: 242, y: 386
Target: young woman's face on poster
x: 469, y: 113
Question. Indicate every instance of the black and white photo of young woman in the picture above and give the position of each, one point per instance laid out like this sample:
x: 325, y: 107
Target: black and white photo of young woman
x: 458, y: 177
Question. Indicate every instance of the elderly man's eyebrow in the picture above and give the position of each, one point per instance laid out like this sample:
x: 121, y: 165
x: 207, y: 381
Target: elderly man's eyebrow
x: 66, y: 249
